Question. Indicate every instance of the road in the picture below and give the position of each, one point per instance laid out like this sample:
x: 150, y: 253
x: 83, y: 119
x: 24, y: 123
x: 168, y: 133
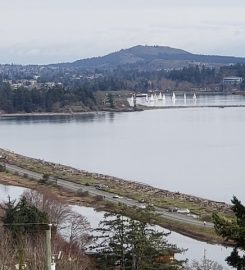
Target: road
x: 93, y: 191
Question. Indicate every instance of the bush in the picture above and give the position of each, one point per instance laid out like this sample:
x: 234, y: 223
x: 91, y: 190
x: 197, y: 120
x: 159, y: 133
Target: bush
x: 99, y: 198
x: 207, y: 218
x: 82, y: 193
x: 45, y: 179
x: 2, y: 168
x: 109, y: 204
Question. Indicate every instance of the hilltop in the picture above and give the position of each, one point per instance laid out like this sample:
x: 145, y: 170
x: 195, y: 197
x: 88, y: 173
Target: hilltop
x: 151, y: 58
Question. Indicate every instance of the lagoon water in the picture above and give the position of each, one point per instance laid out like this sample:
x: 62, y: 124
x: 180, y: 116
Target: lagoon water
x: 199, y: 151
x: 194, y: 249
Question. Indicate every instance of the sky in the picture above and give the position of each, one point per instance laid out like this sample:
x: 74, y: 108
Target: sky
x: 52, y: 31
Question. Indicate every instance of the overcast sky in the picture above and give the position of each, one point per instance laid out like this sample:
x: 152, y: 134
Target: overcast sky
x: 48, y: 31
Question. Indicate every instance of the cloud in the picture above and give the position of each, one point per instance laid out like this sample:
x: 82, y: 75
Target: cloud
x: 57, y: 30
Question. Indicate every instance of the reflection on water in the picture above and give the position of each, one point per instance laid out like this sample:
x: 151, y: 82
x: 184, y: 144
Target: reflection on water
x: 187, y: 99
x: 57, y: 119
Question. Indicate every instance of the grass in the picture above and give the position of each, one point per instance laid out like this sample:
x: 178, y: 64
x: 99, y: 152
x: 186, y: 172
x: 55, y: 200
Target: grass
x: 114, y: 187
x: 125, y: 189
x: 199, y: 233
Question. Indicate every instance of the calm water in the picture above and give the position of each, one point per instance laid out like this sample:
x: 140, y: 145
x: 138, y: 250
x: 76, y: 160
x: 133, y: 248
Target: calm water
x: 198, y: 151
x: 13, y: 192
x: 195, y: 248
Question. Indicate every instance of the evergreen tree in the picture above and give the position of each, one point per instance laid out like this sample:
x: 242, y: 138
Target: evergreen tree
x: 23, y: 218
x: 233, y: 230
x: 110, y: 100
x: 24, y: 221
x: 131, y: 244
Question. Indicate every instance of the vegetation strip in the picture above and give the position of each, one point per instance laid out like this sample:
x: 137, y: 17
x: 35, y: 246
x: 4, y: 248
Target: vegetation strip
x: 137, y: 191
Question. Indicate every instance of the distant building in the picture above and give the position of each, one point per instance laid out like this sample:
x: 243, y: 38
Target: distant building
x: 231, y: 80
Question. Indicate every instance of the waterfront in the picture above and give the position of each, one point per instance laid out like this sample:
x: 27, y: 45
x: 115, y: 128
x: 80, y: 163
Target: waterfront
x: 189, y: 100
x: 199, y: 151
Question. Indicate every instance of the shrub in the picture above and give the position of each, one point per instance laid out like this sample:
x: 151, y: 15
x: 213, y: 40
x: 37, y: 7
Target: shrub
x: 82, y: 193
x: 2, y: 168
x: 207, y: 217
x: 44, y: 179
x: 99, y: 198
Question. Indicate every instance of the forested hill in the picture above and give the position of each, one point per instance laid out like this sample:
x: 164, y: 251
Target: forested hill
x: 83, y: 84
x: 151, y: 58
x: 56, y: 99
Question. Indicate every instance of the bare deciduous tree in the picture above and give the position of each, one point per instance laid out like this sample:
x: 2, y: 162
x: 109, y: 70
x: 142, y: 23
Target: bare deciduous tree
x: 71, y: 237
x: 57, y: 210
x: 76, y: 233
x: 7, y: 253
x: 204, y: 264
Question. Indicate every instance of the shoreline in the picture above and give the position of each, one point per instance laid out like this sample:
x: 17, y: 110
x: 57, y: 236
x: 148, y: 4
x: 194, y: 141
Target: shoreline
x: 118, y: 110
x: 88, y: 201
x: 130, y: 190
x: 139, y: 108
x: 34, y: 114
x: 3, y: 115
x: 104, y: 178
x: 194, y: 106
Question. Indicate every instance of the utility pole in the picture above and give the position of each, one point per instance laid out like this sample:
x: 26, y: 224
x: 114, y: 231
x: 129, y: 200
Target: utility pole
x: 204, y: 259
x: 134, y: 98
x: 48, y: 247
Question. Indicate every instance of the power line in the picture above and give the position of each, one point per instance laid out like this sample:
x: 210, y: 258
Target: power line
x: 48, y: 238
x: 23, y: 224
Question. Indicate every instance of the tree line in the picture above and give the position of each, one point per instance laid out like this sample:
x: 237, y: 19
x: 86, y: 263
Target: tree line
x: 44, y: 100
x: 132, y: 79
x: 124, y: 243
x: 81, y: 92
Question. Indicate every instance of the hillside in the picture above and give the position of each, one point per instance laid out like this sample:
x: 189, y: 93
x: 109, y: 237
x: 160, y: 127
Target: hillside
x: 151, y: 58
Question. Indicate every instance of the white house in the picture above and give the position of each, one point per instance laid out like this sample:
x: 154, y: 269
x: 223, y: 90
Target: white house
x: 232, y: 80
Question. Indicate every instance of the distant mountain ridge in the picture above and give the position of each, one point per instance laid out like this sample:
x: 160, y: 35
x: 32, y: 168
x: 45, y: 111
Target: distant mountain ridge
x: 151, y: 57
